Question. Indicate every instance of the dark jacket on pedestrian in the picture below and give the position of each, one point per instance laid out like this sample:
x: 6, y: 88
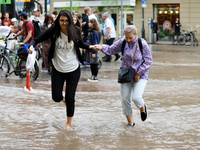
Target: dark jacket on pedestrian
x: 49, y: 34
x: 93, y: 39
x: 85, y: 27
x: 44, y: 27
x: 155, y: 27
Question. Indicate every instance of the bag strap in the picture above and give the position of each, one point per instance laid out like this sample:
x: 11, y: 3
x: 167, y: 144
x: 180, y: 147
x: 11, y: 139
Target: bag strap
x: 134, y: 54
x: 140, y: 44
x: 123, y: 45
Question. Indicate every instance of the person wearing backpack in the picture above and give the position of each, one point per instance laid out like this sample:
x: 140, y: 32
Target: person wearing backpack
x: 35, y: 17
x: 134, y: 49
x: 28, y: 30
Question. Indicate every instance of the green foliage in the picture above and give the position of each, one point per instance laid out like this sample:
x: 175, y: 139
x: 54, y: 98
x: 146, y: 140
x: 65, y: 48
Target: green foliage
x: 161, y: 34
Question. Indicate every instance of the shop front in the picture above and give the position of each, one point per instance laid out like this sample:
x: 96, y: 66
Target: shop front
x: 165, y: 14
x: 114, y: 7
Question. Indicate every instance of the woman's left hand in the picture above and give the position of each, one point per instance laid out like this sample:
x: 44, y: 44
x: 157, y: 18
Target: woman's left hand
x: 137, y: 77
x: 93, y: 55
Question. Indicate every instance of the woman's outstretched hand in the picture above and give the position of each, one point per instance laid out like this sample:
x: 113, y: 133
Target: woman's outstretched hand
x: 97, y: 47
x: 31, y: 49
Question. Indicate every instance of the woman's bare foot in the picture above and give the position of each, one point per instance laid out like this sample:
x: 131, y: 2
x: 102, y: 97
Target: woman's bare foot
x: 67, y: 127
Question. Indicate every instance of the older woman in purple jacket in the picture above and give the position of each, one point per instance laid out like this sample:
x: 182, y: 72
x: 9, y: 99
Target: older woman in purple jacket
x: 142, y: 62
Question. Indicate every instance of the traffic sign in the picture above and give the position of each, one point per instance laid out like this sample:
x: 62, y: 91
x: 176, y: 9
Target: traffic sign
x: 144, y: 3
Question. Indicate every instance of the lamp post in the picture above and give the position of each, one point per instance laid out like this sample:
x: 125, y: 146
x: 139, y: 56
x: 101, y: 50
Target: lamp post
x: 71, y: 2
x: 143, y: 6
x: 121, y: 18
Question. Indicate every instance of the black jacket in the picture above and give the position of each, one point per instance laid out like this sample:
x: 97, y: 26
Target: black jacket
x: 85, y: 27
x: 49, y: 33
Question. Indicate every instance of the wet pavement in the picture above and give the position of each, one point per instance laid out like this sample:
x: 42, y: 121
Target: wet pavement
x: 31, y: 120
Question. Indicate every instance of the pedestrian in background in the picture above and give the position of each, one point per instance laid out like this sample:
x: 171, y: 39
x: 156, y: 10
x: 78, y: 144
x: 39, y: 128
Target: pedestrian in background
x: 76, y: 21
x: 94, y: 15
x: 14, y: 22
x: 46, y: 44
x: 177, y: 25
x: 155, y: 28
x: 85, y: 28
x: 65, y: 56
x: 35, y: 16
x: 6, y: 21
x: 132, y: 91
x: 92, y: 56
x: 54, y: 15
x: 79, y: 18
x: 109, y: 34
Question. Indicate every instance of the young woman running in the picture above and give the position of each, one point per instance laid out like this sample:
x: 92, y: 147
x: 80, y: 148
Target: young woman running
x: 65, y: 56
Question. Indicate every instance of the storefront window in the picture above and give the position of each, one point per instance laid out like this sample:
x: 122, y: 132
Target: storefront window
x: 165, y: 16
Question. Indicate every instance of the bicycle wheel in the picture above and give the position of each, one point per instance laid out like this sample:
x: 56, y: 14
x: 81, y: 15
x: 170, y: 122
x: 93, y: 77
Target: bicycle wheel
x: 181, y: 39
x: 22, y: 68
x: 99, y: 64
x: 188, y: 40
x: 4, y: 66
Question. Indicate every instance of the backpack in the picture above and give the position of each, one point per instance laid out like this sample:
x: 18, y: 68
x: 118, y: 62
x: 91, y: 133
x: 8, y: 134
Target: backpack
x: 140, y: 45
x: 37, y: 29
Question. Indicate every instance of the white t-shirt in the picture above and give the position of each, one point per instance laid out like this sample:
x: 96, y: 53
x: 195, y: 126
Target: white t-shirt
x: 109, y: 23
x: 65, y: 58
x: 92, y: 16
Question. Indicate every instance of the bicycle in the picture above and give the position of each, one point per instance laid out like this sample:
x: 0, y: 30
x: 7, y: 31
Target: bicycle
x: 8, y: 60
x: 195, y: 41
x: 186, y: 38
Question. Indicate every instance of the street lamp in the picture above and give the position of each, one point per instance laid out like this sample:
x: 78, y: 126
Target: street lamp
x: 121, y: 18
x: 143, y: 6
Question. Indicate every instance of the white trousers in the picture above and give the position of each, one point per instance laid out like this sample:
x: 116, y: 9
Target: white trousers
x: 132, y: 91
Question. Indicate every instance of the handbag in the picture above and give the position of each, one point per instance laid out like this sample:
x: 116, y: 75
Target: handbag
x: 125, y: 74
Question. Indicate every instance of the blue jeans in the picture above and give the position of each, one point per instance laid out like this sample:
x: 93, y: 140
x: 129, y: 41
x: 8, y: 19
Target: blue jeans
x: 132, y: 92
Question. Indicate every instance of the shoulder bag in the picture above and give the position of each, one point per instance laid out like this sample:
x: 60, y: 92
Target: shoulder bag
x: 125, y: 74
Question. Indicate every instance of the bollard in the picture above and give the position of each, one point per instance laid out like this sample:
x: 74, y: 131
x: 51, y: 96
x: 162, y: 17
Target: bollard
x: 28, y: 80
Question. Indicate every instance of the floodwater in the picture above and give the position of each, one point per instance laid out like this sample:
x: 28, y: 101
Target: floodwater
x: 31, y: 120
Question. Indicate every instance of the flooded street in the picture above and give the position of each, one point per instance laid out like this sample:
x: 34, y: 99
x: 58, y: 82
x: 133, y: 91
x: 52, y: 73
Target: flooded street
x: 32, y: 120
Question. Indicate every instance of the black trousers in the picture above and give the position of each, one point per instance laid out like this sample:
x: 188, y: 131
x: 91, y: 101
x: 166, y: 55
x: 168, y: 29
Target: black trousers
x: 94, y: 69
x: 57, y: 82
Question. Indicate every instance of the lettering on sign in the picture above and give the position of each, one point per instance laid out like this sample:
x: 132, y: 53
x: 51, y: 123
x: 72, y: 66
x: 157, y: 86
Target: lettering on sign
x: 109, y: 3
x: 75, y: 4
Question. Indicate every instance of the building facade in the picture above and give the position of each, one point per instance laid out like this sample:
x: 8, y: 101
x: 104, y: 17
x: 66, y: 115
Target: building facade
x: 164, y: 12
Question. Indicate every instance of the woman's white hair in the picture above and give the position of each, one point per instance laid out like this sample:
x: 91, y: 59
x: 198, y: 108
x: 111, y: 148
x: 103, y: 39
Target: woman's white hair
x: 130, y: 29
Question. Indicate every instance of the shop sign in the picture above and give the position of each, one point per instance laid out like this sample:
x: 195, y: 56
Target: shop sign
x: 132, y: 2
x: 109, y: 3
x: 94, y: 3
x: 75, y: 4
x: 167, y: 25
